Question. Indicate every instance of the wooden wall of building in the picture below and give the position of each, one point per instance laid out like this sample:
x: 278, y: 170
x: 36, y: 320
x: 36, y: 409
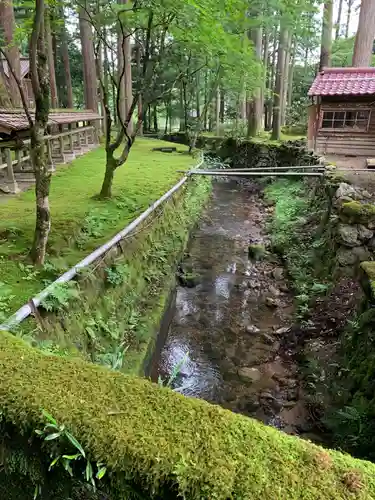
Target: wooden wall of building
x: 347, y: 142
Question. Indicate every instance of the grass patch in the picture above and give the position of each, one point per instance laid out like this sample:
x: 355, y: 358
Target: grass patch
x: 159, y: 442
x: 110, y: 316
x: 79, y: 222
x: 294, y: 234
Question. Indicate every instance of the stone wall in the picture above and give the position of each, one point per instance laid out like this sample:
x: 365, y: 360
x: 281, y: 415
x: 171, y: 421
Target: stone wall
x: 353, y: 218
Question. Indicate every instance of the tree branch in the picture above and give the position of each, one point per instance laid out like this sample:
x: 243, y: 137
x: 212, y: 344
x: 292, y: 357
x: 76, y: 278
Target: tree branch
x: 35, y: 34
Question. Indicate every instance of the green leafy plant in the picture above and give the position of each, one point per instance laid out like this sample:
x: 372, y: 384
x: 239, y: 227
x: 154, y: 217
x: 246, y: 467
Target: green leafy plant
x: 117, y: 274
x: 60, y: 296
x: 63, y: 443
x: 175, y: 372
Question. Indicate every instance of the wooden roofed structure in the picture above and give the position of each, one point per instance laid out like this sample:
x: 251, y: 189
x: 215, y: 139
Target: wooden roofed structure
x: 342, y: 114
x: 69, y: 133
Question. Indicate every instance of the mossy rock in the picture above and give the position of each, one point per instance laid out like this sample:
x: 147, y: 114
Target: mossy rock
x: 164, y: 443
x: 367, y: 280
x: 256, y: 251
x: 354, y: 212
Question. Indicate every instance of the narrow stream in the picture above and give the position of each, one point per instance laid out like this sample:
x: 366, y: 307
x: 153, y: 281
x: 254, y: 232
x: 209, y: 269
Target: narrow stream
x: 231, y: 325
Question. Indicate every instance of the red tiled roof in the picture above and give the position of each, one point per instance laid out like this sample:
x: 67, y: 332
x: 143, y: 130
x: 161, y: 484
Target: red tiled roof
x: 344, y: 81
x: 16, y: 119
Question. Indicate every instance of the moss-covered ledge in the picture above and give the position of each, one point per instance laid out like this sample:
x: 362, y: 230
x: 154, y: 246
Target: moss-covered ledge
x: 168, y: 444
x: 367, y: 280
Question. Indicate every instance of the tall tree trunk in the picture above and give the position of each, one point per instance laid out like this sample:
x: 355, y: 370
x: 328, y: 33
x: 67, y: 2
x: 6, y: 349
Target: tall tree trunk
x: 89, y: 70
x: 222, y: 106
x: 155, y: 118
x: 217, y: 109
x: 51, y: 60
x: 66, y: 61
x: 41, y: 88
x: 266, y: 49
x: 287, y: 70
x: 364, y: 39
x: 198, y: 96
x: 271, y: 86
x: 280, y: 69
x: 338, y: 22
x: 5, y: 101
x: 348, y: 17
x: 8, y: 25
x: 125, y: 86
x: 291, y: 76
x: 113, y: 87
x: 182, y: 109
x: 140, y: 103
x: 254, y: 123
x: 326, y: 45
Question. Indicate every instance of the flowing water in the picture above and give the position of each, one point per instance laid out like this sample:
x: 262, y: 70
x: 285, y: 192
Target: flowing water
x: 231, y: 327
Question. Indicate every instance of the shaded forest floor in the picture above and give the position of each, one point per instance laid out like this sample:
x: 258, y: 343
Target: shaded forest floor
x: 80, y: 223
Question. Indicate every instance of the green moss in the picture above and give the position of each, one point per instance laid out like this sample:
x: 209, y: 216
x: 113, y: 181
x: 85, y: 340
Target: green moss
x: 368, y: 279
x: 81, y: 223
x: 357, y: 213
x: 108, y: 318
x: 256, y: 251
x: 163, y: 440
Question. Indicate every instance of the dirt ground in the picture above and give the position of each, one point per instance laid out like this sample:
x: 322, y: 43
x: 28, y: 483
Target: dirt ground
x: 351, y: 166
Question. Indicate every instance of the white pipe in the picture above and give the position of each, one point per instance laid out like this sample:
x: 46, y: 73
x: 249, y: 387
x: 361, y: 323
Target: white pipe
x: 257, y: 169
x: 29, y: 308
x: 228, y: 173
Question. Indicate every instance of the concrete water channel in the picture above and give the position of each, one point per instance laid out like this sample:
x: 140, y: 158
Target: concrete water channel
x: 230, y: 323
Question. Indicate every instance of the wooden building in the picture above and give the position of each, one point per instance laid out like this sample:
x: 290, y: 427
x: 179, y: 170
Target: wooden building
x: 342, y: 113
x: 25, y: 79
x: 69, y: 134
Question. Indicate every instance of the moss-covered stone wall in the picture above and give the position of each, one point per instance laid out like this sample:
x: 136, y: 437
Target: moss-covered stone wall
x: 113, y: 316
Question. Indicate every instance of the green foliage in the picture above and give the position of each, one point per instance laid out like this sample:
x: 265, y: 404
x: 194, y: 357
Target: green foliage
x: 163, y: 443
x: 175, y: 372
x: 301, y: 247
x: 66, y: 450
x: 60, y: 296
x: 146, y: 177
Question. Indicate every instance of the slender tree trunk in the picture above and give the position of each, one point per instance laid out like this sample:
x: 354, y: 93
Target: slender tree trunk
x: 222, y: 106
x: 348, y: 17
x: 8, y: 25
x: 272, y: 80
x: 89, y: 70
x: 66, y: 62
x: 125, y: 86
x: 266, y: 43
x: 287, y: 70
x: 51, y: 60
x: 205, y: 106
x: 140, y: 103
x: 5, y: 101
x: 113, y: 87
x: 155, y: 117
x: 276, y: 122
x: 217, y: 120
x: 182, y: 109
x: 326, y: 45
x: 41, y: 89
x: 255, y: 106
x: 338, y: 22
x: 198, y: 96
x: 364, y: 39
x: 291, y: 76
x: 106, y: 191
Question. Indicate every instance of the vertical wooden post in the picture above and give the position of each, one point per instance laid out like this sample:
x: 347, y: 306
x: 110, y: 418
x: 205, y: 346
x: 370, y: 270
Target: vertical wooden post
x: 18, y: 167
x: 11, y: 177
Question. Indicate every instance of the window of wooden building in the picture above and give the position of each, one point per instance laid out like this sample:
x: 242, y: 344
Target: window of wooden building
x: 350, y: 120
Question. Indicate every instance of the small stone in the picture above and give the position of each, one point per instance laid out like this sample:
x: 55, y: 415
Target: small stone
x: 253, y: 284
x: 362, y: 254
x: 346, y: 190
x: 249, y: 374
x: 284, y: 330
x: 267, y: 339
x: 267, y: 395
x: 284, y: 287
x: 346, y: 257
x: 366, y: 194
x: 371, y: 244
x: 252, y: 329
x: 278, y: 273
x: 289, y: 404
x: 270, y: 302
x: 348, y: 235
x: 274, y: 291
x: 364, y: 234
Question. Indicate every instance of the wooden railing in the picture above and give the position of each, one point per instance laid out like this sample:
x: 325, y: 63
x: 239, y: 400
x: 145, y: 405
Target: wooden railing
x: 62, y: 147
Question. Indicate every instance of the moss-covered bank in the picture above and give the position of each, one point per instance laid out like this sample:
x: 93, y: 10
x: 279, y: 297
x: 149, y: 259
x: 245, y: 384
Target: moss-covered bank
x: 111, y: 314
x: 154, y: 442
